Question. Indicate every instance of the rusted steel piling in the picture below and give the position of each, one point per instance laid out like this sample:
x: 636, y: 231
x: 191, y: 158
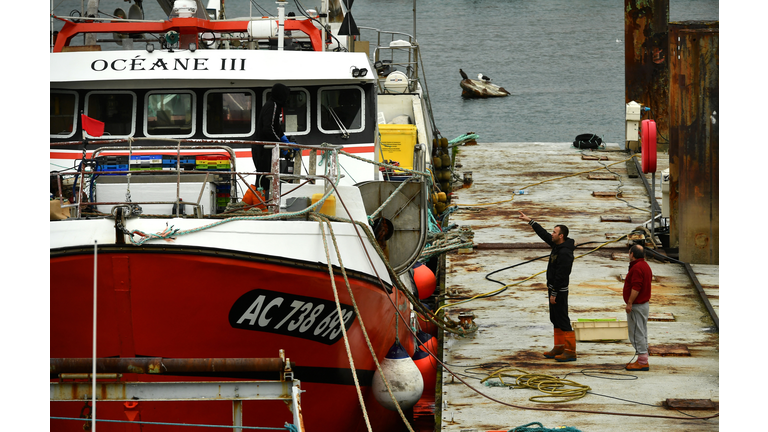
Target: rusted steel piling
x: 694, y: 140
x: 646, y: 72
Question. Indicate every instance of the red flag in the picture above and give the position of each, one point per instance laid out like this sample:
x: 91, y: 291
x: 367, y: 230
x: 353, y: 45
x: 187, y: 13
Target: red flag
x: 91, y: 126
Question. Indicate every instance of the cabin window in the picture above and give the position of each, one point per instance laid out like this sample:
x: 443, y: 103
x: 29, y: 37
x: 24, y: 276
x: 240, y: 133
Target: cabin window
x: 341, y: 110
x: 295, y: 112
x: 229, y: 113
x: 170, y: 114
x: 115, y: 109
x: 63, y: 114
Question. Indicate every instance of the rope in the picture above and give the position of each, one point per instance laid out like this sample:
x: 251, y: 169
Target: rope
x: 391, y: 196
x: 489, y: 294
x: 459, y: 140
x: 540, y: 428
x: 553, y: 387
x: 171, y: 234
x: 381, y: 164
x: 549, y: 180
x: 341, y: 318
x: 359, y: 317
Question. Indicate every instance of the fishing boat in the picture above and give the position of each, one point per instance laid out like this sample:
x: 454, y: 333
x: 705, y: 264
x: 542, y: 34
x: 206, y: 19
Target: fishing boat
x: 157, y: 255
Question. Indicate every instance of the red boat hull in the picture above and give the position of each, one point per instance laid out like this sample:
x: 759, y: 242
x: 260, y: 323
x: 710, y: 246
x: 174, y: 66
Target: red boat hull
x: 177, y: 303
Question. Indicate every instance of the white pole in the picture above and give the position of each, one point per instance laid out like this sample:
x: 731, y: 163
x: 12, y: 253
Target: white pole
x: 93, y: 391
x: 280, y: 25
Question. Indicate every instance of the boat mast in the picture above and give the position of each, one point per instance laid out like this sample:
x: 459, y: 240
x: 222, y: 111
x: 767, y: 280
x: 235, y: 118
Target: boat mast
x: 93, y: 10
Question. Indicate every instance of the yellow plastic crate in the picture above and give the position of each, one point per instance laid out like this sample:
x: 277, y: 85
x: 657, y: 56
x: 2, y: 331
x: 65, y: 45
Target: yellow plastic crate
x: 600, y: 330
x: 397, y: 143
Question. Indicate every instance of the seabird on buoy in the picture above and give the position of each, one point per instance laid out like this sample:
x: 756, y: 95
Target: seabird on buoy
x: 484, y: 78
x: 463, y: 74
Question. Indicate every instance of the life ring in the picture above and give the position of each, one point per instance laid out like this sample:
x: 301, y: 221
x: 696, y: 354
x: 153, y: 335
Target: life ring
x: 648, y: 145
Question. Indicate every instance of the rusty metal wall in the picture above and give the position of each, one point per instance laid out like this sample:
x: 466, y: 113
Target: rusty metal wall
x: 694, y: 140
x: 646, y: 72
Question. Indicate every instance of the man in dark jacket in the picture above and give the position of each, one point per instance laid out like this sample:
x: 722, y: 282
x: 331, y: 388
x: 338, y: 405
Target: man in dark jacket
x: 637, y: 293
x: 558, y: 272
x: 269, y: 128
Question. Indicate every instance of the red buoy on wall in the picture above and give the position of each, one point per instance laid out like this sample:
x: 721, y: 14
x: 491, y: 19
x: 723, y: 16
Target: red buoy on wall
x: 648, y: 145
x: 425, y: 280
x: 426, y: 366
x: 426, y: 339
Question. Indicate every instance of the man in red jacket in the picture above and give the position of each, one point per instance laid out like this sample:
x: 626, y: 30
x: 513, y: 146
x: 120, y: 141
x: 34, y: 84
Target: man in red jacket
x: 637, y: 293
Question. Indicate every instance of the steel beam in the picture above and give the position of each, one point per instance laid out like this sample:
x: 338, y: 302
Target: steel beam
x: 175, y: 391
x: 646, y: 72
x: 694, y: 140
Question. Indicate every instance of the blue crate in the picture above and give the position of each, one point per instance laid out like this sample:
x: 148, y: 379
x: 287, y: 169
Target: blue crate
x: 105, y: 169
x: 149, y: 159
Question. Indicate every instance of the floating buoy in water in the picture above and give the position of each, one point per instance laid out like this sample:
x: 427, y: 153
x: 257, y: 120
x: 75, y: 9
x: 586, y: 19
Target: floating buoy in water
x: 404, y: 379
x: 424, y: 362
x: 425, y: 280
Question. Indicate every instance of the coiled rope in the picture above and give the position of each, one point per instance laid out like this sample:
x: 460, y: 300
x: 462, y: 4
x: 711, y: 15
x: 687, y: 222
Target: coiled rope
x: 541, y: 428
x: 556, y: 390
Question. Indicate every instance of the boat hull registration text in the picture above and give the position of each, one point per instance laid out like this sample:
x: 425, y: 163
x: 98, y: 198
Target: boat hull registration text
x: 292, y: 315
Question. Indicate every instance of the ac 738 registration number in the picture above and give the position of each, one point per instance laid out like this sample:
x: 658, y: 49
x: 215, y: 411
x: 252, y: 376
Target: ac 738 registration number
x: 291, y: 315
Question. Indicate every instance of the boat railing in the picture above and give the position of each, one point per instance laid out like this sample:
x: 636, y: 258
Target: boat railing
x: 89, y: 167
x: 397, y: 51
x: 394, y: 51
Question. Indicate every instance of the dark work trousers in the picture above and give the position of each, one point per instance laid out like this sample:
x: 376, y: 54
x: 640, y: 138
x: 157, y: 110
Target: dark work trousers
x: 558, y: 312
x: 262, y: 160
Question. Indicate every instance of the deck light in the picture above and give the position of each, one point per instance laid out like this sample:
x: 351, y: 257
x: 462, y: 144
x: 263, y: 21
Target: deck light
x: 359, y: 73
x: 192, y: 46
x: 150, y: 47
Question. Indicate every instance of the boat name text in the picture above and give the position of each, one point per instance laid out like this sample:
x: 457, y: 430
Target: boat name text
x: 139, y: 63
x: 292, y: 315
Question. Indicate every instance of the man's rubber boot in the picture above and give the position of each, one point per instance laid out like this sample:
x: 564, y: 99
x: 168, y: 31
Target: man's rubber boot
x: 569, y: 353
x: 637, y: 366
x: 559, y: 344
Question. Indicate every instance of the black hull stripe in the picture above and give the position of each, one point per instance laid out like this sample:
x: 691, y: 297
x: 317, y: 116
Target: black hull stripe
x: 318, y: 375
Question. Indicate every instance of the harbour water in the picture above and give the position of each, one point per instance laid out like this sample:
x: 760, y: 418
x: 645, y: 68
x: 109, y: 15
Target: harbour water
x: 563, y: 61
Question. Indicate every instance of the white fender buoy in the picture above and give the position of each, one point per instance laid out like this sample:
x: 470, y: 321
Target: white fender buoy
x: 404, y: 380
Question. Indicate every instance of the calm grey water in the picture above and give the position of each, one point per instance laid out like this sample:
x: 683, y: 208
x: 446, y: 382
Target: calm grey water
x: 562, y: 60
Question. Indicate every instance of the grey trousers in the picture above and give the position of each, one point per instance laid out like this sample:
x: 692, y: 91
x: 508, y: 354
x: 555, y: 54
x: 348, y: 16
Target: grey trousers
x: 637, y: 327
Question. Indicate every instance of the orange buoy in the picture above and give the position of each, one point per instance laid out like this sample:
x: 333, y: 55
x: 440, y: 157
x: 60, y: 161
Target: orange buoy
x: 425, y: 323
x: 429, y: 341
x: 648, y: 145
x: 425, y: 280
x: 426, y: 366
